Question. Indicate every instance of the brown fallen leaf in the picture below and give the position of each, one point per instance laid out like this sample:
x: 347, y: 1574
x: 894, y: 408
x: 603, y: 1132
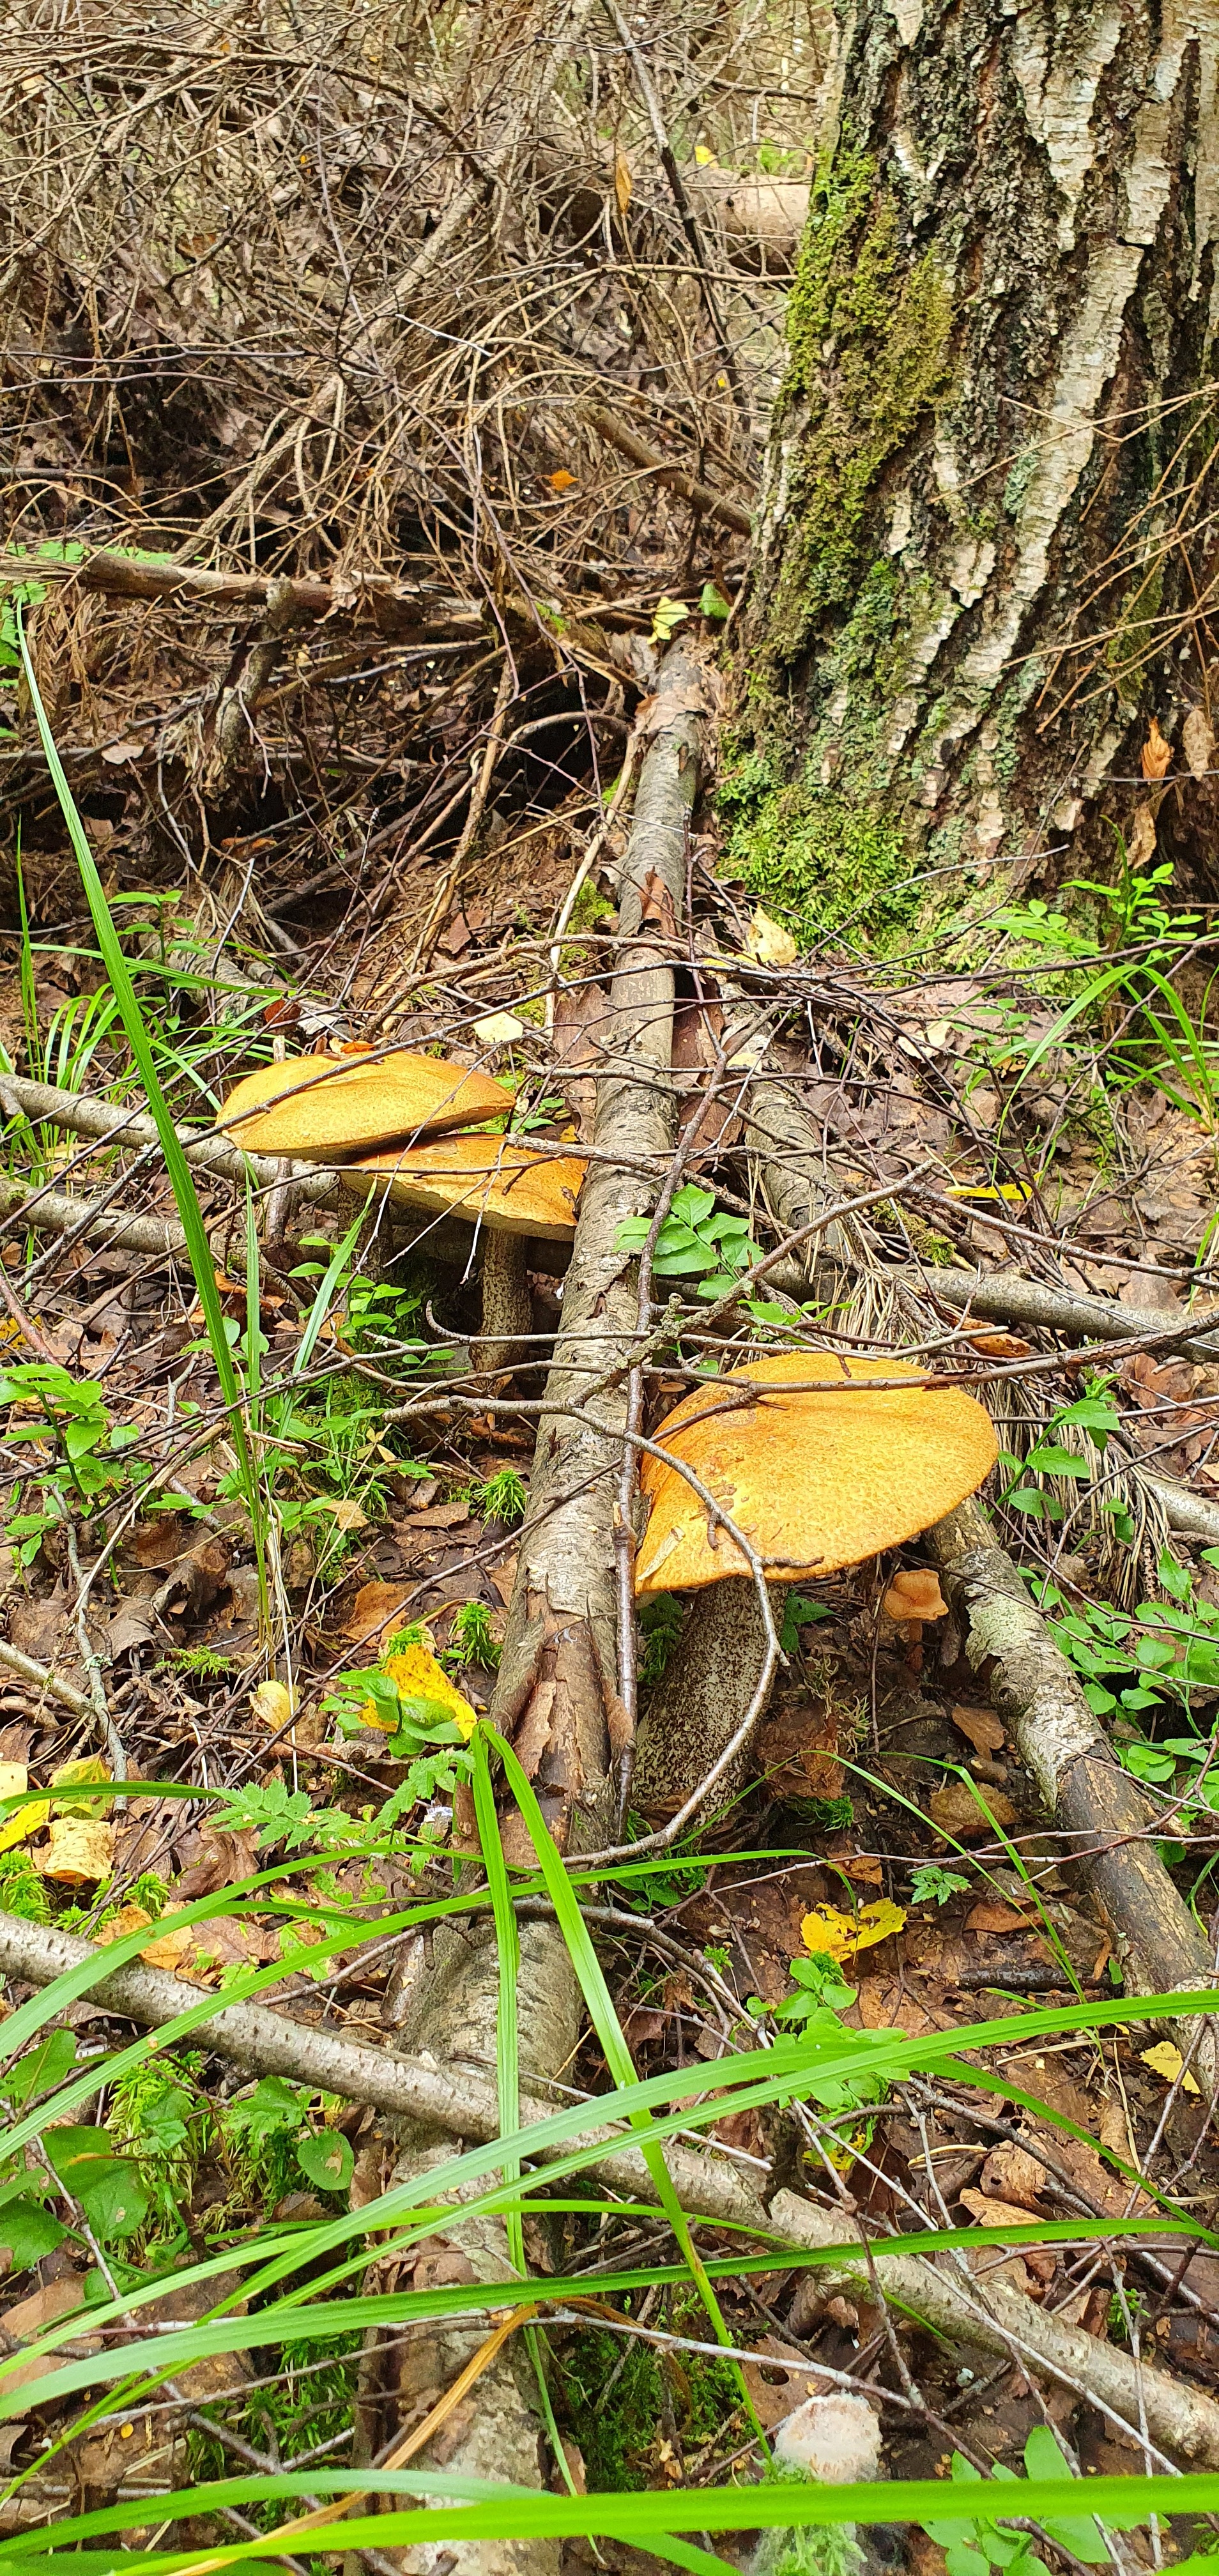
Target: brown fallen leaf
x: 1197, y: 742
x: 622, y: 180
x: 656, y: 904
x: 1010, y: 2173
x: 1156, y: 758
x: 215, y: 1858
x: 1141, y: 841
x: 774, y: 2386
x: 983, y: 1729
x: 439, y: 1516
x: 989, y: 1915
x: 960, y: 1815
x: 166, y: 1950
x: 377, y: 1606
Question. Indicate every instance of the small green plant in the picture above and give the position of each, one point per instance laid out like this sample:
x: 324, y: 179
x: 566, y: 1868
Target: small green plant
x: 932, y: 1885
x: 159, y: 2118
x: 798, y: 1613
x: 273, y: 2144
x: 695, y: 1241
x: 23, y: 1890
x: 200, y: 1663
x: 660, y: 1621
x: 503, y: 1498
x: 89, y: 1459
x: 1096, y: 1414
x: 973, y: 2548
x: 472, y: 1641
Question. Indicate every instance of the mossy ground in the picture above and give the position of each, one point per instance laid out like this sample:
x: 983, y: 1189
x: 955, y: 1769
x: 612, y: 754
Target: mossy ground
x: 618, y: 2426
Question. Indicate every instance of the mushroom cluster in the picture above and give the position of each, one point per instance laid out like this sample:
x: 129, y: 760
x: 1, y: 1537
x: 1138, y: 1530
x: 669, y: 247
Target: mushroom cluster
x: 820, y: 1461
x: 378, y: 1119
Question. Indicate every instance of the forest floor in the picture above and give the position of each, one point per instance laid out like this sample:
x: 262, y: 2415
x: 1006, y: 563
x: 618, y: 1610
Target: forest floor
x: 264, y: 1500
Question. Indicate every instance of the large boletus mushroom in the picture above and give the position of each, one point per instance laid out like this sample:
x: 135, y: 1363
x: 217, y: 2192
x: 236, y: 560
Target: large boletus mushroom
x: 506, y: 1189
x: 823, y: 1469
x: 321, y: 1106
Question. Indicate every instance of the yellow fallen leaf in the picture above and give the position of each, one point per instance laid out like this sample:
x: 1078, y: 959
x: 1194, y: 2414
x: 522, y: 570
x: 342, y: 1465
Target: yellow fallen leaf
x: 769, y: 942
x: 1167, y: 2061
x: 90, y: 1767
x: 79, y: 1852
x: 271, y: 1704
x: 417, y: 1675
x: 1015, y: 1190
x: 704, y: 156
x: 622, y: 180
x: 841, y: 1935
x: 29, y: 1820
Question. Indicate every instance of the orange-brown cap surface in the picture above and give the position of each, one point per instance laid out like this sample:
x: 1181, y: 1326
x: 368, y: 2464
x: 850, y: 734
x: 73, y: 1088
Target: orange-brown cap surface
x: 915, y: 1594
x: 331, y: 1105
x: 818, y: 1479
x: 489, y: 1180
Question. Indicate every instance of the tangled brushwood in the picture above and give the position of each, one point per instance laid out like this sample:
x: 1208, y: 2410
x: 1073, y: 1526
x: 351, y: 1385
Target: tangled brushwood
x: 381, y: 385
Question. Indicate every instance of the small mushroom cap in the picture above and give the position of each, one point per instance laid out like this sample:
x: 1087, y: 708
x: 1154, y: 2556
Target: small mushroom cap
x: 817, y: 1479
x: 915, y: 1594
x: 489, y: 1180
x: 326, y: 1105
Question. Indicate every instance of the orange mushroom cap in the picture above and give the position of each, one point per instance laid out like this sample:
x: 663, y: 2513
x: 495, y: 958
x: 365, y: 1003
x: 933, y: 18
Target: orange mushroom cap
x: 329, y: 1105
x: 490, y: 1180
x: 915, y: 1593
x: 816, y: 1476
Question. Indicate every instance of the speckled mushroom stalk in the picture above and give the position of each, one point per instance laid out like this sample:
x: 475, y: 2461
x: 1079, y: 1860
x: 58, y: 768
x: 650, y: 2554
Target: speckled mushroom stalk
x: 821, y: 1471
x: 509, y: 1193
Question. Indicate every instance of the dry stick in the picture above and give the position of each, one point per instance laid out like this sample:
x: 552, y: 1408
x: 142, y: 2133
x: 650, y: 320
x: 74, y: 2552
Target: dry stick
x: 117, y: 577
x: 1008, y: 1299
x: 1086, y: 1792
x: 685, y: 212
x: 478, y: 798
x: 555, y: 1691
x: 462, y: 2104
x: 701, y: 496
x: 86, y: 1117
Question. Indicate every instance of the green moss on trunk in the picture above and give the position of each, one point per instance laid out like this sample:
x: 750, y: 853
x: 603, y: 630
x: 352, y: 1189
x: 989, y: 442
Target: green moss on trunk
x: 814, y: 828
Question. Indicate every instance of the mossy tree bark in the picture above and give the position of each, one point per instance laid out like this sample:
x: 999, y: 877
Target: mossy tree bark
x: 967, y: 595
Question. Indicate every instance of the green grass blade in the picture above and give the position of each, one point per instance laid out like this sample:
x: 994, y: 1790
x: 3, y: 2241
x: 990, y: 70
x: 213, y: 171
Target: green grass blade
x: 180, y: 1176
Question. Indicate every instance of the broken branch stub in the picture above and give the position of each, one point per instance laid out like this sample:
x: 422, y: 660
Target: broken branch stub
x: 1101, y: 1811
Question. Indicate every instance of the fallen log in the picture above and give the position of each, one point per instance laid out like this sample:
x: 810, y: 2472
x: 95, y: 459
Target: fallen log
x: 459, y: 2102
x: 82, y: 1116
x: 1180, y: 2419
x: 1007, y: 1299
x: 1103, y: 1815
x: 555, y: 1695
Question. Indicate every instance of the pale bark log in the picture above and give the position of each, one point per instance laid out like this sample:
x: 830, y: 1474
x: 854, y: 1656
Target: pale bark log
x: 1182, y: 2419
x: 1096, y: 1805
x: 460, y: 2104
x: 967, y: 581
x: 556, y: 1689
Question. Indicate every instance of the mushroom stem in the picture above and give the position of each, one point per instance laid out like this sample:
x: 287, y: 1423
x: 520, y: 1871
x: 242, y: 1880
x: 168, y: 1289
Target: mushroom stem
x: 507, y: 1305
x: 701, y: 1699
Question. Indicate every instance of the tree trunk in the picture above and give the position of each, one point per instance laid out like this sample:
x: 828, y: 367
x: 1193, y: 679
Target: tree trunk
x: 970, y: 590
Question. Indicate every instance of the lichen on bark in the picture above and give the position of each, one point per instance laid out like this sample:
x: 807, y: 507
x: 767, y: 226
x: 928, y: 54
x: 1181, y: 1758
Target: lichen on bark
x: 968, y: 591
